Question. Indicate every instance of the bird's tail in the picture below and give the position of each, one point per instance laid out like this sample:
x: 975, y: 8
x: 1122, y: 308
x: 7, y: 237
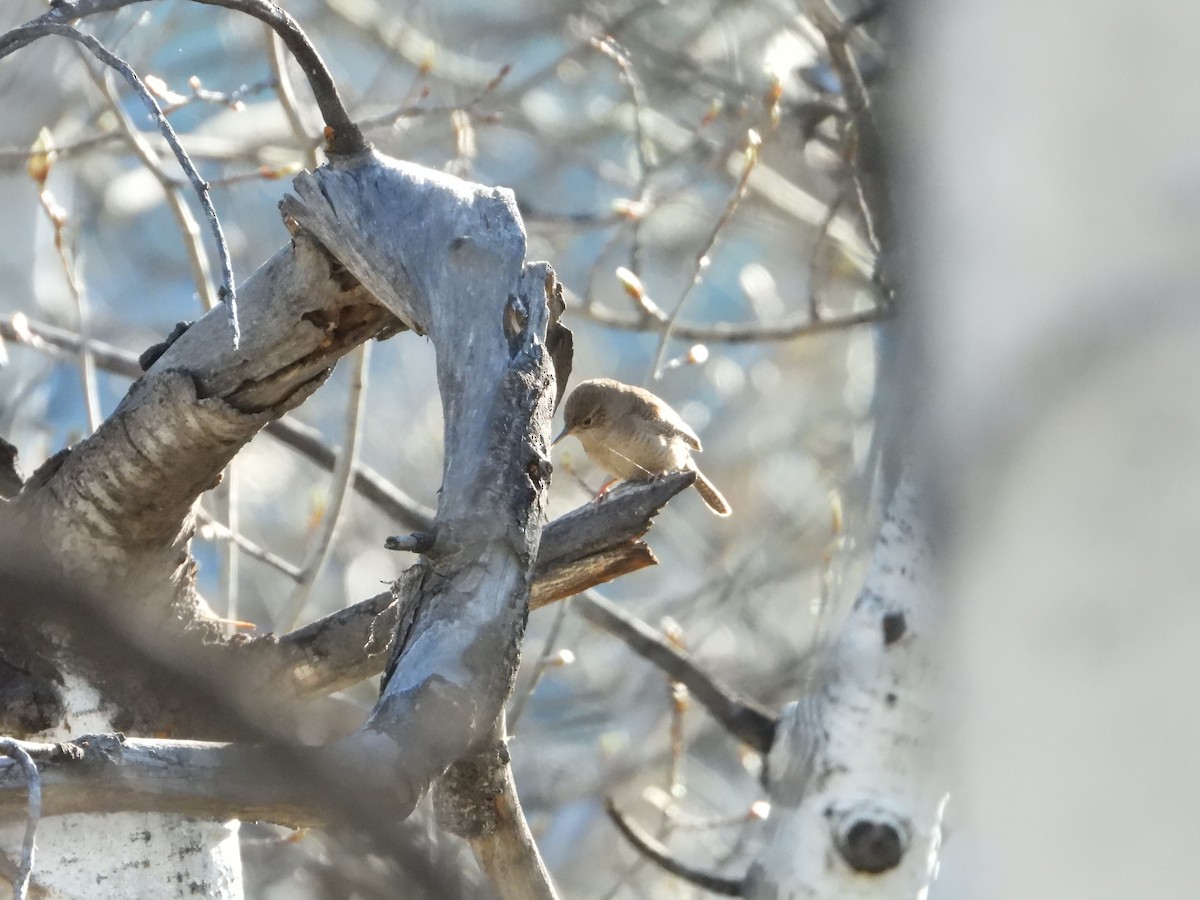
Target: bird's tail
x: 711, y: 495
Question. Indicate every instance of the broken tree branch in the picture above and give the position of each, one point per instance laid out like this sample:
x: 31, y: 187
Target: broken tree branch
x: 581, y: 549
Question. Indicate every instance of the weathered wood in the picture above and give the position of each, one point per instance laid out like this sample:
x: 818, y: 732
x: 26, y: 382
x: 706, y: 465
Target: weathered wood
x: 477, y: 800
x: 586, y: 547
x: 118, y: 504
x: 447, y: 258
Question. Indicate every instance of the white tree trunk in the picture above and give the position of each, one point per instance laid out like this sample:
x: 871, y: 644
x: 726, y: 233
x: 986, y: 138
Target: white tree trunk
x: 856, y: 793
x: 117, y: 856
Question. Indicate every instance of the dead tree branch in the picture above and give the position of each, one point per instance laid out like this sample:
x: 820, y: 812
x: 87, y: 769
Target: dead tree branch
x: 477, y: 800
x: 586, y: 547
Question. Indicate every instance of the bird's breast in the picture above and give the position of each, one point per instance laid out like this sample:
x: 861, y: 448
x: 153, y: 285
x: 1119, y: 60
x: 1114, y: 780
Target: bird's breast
x: 635, y: 455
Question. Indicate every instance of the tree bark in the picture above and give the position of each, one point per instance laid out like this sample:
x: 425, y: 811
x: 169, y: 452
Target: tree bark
x: 856, y: 793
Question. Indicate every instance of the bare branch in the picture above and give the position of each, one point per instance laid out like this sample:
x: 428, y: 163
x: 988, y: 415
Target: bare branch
x: 39, y: 170
x: 743, y: 718
x: 704, y: 255
x: 107, y: 773
x: 653, y: 850
x: 586, y: 547
x: 285, y: 93
x: 343, y: 137
x: 476, y: 799
x: 736, y: 332
x: 546, y: 659
x: 190, y: 414
x: 447, y: 257
x: 870, y: 171
x: 148, y: 155
x: 45, y: 25
x: 302, y: 438
x: 386, y: 496
x: 224, y: 533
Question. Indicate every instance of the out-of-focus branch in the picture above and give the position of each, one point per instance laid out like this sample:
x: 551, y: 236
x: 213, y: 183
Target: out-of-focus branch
x: 869, y: 159
x: 653, y: 850
x: 737, y: 332
x: 372, y: 486
x: 411, y: 43
x: 287, y: 96
x: 109, y: 773
x: 476, y: 799
x: 704, y: 255
x: 189, y: 230
x: 39, y: 170
x: 343, y: 471
x: 852, y: 786
x: 46, y: 25
x: 220, y: 531
x: 344, y: 137
x: 743, y: 718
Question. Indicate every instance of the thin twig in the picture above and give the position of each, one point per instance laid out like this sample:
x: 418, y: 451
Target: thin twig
x: 285, y: 92
x: 649, y: 847
x: 20, y: 37
x: 199, y: 94
x: 739, y: 332
x: 416, y: 47
x: 33, y: 779
x: 683, y: 821
x: 413, y: 110
x: 637, y: 211
x: 223, y: 532
x: 703, y: 257
x: 91, y: 390
x: 15, y: 156
x: 57, y: 217
x: 344, y: 138
x: 814, y: 304
x: 543, y: 663
x: 743, y: 718
x: 188, y: 227
x: 373, y: 487
x: 677, y: 693
x: 343, y: 472
x: 870, y: 175
x: 226, y: 500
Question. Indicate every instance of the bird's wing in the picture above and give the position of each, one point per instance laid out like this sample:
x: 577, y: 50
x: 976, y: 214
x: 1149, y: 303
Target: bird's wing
x: 667, y: 422
x: 672, y: 426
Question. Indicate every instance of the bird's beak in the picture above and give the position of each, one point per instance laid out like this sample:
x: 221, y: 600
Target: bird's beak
x: 562, y: 434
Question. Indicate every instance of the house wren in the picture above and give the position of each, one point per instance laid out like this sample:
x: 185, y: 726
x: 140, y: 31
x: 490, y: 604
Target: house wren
x: 634, y: 436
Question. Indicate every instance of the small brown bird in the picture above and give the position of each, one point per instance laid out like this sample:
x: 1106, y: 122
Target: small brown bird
x: 634, y: 436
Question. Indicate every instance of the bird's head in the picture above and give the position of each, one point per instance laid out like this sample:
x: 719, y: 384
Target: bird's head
x: 589, y: 407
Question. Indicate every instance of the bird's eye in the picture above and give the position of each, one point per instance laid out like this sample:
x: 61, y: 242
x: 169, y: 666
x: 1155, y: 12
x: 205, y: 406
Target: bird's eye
x: 586, y: 422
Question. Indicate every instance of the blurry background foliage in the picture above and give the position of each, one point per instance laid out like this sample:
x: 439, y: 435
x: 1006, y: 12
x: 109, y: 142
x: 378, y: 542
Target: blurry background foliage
x: 623, y: 129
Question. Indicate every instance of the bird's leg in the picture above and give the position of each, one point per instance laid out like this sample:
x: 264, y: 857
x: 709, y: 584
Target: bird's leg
x: 604, y: 489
